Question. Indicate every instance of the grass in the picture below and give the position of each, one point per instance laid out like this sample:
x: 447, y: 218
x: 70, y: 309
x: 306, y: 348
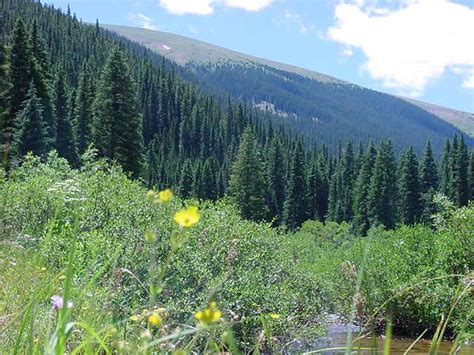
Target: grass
x: 144, y: 279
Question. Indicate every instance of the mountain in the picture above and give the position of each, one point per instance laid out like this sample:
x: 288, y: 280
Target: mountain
x: 323, y: 108
x: 461, y: 119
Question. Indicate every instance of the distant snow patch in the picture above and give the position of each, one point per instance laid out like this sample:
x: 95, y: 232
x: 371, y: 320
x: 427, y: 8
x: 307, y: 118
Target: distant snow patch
x: 164, y: 46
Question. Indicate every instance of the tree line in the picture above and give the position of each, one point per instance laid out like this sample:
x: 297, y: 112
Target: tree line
x: 67, y: 86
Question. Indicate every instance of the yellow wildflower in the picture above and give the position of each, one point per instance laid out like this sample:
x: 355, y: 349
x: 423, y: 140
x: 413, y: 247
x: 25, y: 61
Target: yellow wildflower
x: 210, y: 315
x: 135, y: 318
x: 165, y: 195
x: 187, y: 217
x: 274, y: 316
x: 155, y: 319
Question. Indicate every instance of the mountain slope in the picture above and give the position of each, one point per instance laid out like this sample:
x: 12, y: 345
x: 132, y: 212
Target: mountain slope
x: 461, y: 119
x: 323, y: 108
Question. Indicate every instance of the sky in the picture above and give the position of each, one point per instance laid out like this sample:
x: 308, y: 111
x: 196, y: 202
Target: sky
x: 423, y: 49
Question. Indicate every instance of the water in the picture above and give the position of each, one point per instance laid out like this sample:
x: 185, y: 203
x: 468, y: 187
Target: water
x: 337, y: 337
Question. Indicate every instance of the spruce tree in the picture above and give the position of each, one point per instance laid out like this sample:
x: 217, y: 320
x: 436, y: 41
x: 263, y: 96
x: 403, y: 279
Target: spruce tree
x: 409, y: 188
x: 30, y: 130
x: 317, y: 196
x: 276, y: 179
x: 382, y: 191
x: 65, y: 142
x: 83, y: 110
x: 361, y: 222
x: 428, y: 171
x: 185, y: 184
x: 336, y: 210
x: 471, y: 175
x: 445, y: 174
x: 208, y: 180
x: 116, y: 126
x: 294, y: 208
x: 429, y: 182
x: 247, y: 181
x: 461, y: 188
x: 19, y: 62
x: 4, y: 102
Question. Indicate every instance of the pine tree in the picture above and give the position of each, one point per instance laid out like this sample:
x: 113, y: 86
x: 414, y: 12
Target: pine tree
x: 185, y: 185
x: 409, y: 188
x: 361, y: 222
x: 429, y: 182
x: 428, y: 171
x: 19, y: 61
x: 83, y: 110
x: 276, y: 179
x: 317, y: 196
x: 247, y: 181
x: 4, y: 102
x: 116, y: 126
x: 65, y: 143
x: 29, y: 135
x: 40, y: 76
x: 471, y: 175
x: 336, y: 211
x: 294, y: 209
x: 382, y: 191
x: 461, y: 188
x: 38, y: 49
x: 445, y: 174
x: 208, y: 180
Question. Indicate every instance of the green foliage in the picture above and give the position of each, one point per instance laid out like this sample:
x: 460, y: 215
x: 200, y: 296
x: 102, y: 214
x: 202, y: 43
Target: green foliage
x: 412, y: 274
x: 409, y: 188
x: 46, y: 206
x: 30, y: 131
x: 65, y: 142
x: 247, y: 182
x: 294, y: 209
x: 116, y: 127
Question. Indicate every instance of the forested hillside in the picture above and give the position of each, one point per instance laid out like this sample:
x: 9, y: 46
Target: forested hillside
x: 319, y: 107
x: 69, y: 85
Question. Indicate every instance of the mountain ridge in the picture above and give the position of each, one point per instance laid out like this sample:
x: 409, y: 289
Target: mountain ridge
x: 322, y: 108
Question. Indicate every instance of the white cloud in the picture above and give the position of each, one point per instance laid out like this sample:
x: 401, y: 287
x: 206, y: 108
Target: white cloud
x: 248, y: 5
x: 206, y: 7
x: 181, y: 7
x: 143, y: 21
x: 294, y: 18
x: 410, y: 46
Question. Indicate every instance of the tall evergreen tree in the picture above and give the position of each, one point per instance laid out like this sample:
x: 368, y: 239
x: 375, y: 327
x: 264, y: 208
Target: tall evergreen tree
x: 4, y: 86
x: 276, y: 179
x: 471, y: 175
x: 361, y: 222
x: 294, y: 209
x: 428, y: 171
x: 461, y: 188
x: 445, y: 174
x: 247, y: 181
x: 83, y: 110
x: 30, y: 130
x: 185, y: 184
x: 409, y: 188
x: 429, y: 182
x: 19, y: 61
x: 382, y: 191
x: 116, y: 127
x: 65, y: 142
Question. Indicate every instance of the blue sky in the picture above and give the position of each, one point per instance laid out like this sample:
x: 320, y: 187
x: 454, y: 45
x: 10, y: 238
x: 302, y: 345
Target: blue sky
x: 418, y: 48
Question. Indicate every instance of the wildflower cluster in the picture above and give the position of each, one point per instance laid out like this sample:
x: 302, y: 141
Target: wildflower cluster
x: 209, y: 315
x: 163, y: 196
